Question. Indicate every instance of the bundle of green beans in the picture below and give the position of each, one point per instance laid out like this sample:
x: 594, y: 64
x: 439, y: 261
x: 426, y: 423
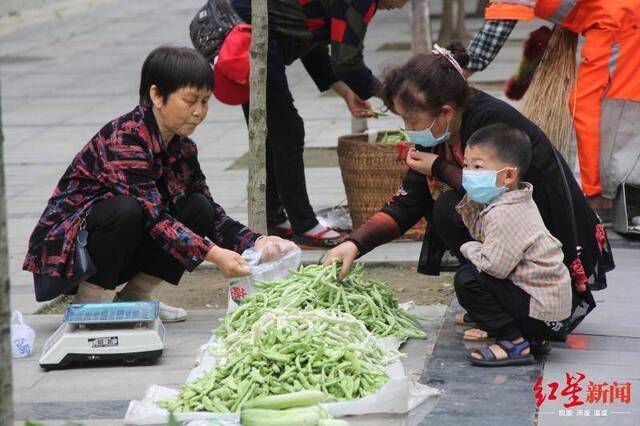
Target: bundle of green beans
x: 287, y: 351
x: 395, y: 137
x: 318, y: 287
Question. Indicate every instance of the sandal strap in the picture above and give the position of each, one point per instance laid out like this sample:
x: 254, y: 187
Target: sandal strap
x: 486, y: 354
x: 319, y: 235
x: 513, y: 350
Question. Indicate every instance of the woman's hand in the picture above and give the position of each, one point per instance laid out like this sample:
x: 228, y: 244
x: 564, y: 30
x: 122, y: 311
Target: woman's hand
x: 273, y: 247
x: 230, y: 263
x: 357, y: 107
x: 421, y: 162
x: 347, y: 252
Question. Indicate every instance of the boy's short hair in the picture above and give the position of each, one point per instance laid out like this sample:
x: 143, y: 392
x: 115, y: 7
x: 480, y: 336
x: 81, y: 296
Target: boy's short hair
x: 172, y: 68
x: 509, y: 144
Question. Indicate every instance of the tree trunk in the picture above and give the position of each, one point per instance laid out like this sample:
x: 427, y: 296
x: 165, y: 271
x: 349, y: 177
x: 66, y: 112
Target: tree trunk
x: 257, y: 185
x: 6, y: 384
x: 480, y: 6
x: 446, y: 23
x: 461, y: 30
x: 358, y: 125
x: 452, y: 27
x: 420, y: 27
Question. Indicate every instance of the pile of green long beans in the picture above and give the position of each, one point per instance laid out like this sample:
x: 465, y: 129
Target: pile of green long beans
x: 287, y: 351
x: 318, y: 287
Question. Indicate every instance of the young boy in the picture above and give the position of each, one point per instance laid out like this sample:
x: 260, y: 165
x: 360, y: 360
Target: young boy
x: 515, y: 279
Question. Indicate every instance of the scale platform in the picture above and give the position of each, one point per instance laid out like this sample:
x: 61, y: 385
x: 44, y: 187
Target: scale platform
x: 120, y: 332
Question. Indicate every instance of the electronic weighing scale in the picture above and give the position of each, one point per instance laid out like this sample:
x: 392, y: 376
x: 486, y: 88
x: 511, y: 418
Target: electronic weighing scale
x: 126, y: 332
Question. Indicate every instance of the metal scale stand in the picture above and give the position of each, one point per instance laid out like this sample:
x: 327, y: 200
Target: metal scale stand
x: 120, y: 332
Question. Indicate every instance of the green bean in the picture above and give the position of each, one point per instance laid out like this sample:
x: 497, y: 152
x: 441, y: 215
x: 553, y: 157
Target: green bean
x: 327, y: 351
x: 315, y: 286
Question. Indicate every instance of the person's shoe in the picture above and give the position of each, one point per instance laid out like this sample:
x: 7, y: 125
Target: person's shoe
x: 326, y: 238
x: 168, y: 313
x: 280, y: 231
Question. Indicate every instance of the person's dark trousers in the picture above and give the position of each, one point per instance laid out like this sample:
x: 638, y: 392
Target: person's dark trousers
x: 498, y: 305
x: 448, y: 223
x: 286, y: 185
x: 120, y: 247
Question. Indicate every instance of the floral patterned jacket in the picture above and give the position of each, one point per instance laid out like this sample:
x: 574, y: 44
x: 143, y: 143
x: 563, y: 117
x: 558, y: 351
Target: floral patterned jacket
x: 127, y: 157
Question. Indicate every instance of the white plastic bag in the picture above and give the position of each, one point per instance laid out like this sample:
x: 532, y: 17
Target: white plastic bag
x: 22, y: 337
x: 273, y: 269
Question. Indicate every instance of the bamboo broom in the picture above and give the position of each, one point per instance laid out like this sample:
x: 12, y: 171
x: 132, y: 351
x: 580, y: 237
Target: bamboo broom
x: 546, y: 102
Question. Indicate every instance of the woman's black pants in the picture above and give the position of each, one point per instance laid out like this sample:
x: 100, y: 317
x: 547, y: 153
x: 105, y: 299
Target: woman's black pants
x: 287, y: 195
x: 120, y: 247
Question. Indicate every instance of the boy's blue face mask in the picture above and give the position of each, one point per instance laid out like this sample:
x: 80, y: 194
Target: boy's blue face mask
x: 481, y: 185
x: 425, y: 137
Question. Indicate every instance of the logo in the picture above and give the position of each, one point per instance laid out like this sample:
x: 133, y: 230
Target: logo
x: 577, y: 391
x: 22, y: 346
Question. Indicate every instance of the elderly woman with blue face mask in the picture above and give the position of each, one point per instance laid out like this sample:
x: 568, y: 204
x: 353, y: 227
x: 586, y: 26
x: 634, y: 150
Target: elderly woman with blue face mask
x: 440, y: 112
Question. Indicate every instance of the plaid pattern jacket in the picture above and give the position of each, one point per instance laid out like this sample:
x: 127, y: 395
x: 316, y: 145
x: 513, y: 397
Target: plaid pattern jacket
x: 487, y: 43
x: 127, y: 157
x: 340, y: 25
x: 513, y: 243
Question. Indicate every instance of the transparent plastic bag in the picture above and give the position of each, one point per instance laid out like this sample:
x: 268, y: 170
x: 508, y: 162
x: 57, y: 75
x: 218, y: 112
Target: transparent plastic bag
x: 337, y: 218
x: 22, y: 337
x: 261, y: 270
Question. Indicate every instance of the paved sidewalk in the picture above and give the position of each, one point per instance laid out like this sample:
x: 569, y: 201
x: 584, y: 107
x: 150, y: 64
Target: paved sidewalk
x: 605, y: 348
x: 64, y: 77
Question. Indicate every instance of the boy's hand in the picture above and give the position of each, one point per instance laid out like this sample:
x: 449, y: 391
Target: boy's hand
x: 421, y: 162
x: 472, y: 250
x: 230, y: 263
x: 347, y: 252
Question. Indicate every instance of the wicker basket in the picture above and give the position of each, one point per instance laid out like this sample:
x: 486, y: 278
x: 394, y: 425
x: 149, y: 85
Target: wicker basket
x: 372, y: 173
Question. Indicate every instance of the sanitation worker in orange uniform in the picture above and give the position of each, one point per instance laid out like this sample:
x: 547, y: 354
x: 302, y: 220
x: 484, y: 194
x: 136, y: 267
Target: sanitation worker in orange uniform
x: 609, y: 66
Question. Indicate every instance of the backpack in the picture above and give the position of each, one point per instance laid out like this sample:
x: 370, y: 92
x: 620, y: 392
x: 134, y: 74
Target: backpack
x: 211, y: 25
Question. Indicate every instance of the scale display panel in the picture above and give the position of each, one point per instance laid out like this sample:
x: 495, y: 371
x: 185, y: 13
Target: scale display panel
x: 96, y: 313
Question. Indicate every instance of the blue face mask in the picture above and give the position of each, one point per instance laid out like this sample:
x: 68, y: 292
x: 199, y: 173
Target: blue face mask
x: 481, y: 185
x: 425, y: 137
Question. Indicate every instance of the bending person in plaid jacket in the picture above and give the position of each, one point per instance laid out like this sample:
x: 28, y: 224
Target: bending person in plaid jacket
x: 138, y: 190
x: 327, y: 36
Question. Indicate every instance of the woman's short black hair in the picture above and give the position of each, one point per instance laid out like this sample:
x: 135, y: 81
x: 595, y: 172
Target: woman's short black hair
x: 172, y: 68
x: 511, y: 145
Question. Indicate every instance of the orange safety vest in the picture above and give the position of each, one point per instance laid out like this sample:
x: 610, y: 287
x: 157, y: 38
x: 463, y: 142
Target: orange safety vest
x: 574, y: 15
x: 525, y: 10
x: 608, y: 69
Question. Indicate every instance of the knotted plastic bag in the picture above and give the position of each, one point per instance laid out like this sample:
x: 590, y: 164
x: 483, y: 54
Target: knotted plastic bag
x: 22, y: 337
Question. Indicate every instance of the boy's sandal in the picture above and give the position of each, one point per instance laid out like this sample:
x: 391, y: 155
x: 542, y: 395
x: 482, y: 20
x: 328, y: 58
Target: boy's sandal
x: 318, y: 240
x: 464, y: 319
x: 280, y: 231
x: 514, y: 355
x: 486, y: 335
